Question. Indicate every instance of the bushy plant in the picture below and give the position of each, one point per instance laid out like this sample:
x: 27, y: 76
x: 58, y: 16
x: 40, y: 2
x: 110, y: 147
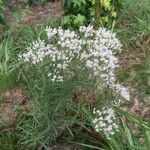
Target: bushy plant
x: 82, y: 12
x: 91, y: 50
x: 67, y: 61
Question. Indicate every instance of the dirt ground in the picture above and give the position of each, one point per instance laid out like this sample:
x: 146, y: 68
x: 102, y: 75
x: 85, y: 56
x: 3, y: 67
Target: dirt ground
x: 21, y: 13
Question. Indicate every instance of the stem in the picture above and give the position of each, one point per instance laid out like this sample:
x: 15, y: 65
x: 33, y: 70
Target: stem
x: 98, y: 12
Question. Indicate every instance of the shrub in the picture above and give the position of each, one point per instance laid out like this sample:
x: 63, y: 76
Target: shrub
x: 91, y: 50
x: 82, y: 12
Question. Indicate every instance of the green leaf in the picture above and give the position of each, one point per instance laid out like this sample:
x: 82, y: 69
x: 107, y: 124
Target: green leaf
x: 107, y: 4
x: 79, y: 19
x: 66, y: 20
x: 129, y: 136
x: 78, y: 3
x: 93, y: 1
x: 134, y: 119
x: 90, y: 146
x: 114, y: 14
x: 87, y: 114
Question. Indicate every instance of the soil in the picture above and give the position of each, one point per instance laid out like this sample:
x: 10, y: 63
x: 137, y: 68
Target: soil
x: 20, y: 13
x: 10, y: 101
x: 130, y: 59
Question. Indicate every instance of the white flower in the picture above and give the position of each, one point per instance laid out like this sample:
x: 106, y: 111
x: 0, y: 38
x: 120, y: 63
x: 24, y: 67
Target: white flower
x: 105, y: 121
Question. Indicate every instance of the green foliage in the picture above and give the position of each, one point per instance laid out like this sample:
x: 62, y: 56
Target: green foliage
x: 8, y: 66
x: 131, y: 140
x: 134, y: 20
x: 8, y: 141
x: 82, y: 12
x: 3, y: 22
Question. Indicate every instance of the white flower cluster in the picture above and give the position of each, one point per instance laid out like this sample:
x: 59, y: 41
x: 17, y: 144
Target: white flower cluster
x: 32, y: 53
x: 94, y: 48
x: 100, y: 56
x: 105, y: 121
x: 37, y: 52
x: 69, y: 40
